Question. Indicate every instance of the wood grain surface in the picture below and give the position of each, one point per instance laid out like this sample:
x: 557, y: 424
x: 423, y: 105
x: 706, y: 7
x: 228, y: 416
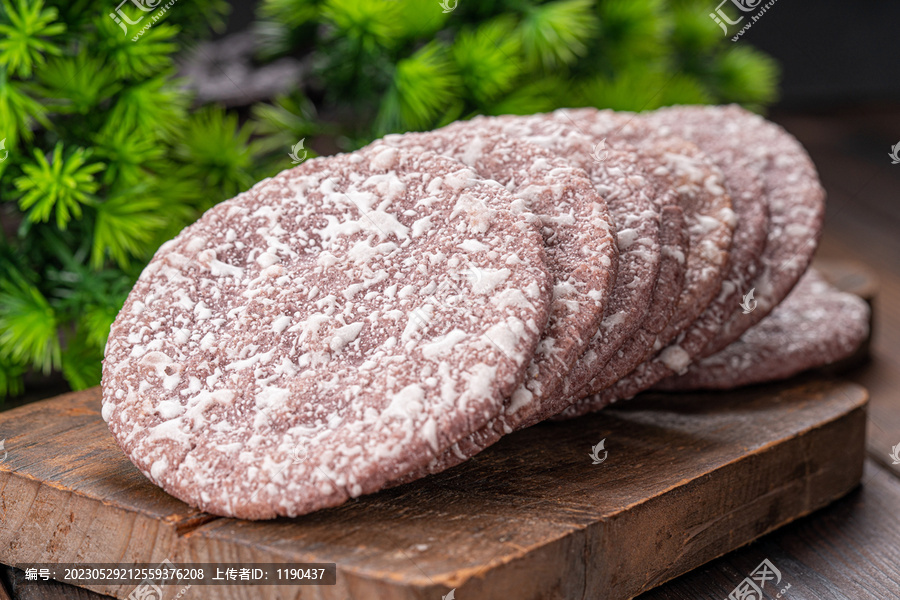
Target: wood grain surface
x: 847, y: 552
x: 850, y: 550
x: 688, y: 478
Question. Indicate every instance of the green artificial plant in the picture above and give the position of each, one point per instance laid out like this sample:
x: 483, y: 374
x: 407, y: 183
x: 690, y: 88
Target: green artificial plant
x: 104, y: 156
x: 102, y: 160
x: 381, y: 66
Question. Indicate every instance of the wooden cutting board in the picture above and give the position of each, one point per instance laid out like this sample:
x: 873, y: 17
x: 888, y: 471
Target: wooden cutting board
x: 687, y: 478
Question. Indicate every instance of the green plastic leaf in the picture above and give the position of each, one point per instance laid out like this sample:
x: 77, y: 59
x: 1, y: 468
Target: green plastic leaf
x: 420, y: 19
x: 286, y: 121
x: 11, y: 377
x: 745, y: 75
x: 542, y: 95
x: 27, y: 326
x: 58, y: 186
x: 217, y: 152
x: 82, y: 362
x: 155, y: 108
x: 127, y: 154
x: 124, y: 228
x: 557, y: 33
x: 292, y: 13
x: 638, y: 90
x: 197, y: 17
x: 151, y: 54
x: 424, y: 85
x: 78, y: 84
x: 693, y: 32
x: 366, y: 22
x: 633, y: 31
x: 19, y: 113
x: 488, y: 59
x: 23, y: 37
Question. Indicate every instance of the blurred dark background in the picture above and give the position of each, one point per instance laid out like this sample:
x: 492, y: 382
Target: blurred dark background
x: 831, y: 53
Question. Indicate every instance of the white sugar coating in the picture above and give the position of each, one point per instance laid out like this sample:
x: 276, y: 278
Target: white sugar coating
x: 266, y: 363
x: 644, y: 205
x: 643, y: 342
x: 710, y: 219
x: 741, y: 166
x: 747, y: 146
x: 774, y: 190
x: 816, y: 325
x: 580, y: 249
x: 635, y: 206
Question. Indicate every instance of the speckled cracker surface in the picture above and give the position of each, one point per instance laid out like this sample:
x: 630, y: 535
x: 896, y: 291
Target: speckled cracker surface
x: 816, y: 325
x: 635, y: 205
x: 747, y: 146
x: 673, y: 165
x: 744, y: 188
x: 741, y: 167
x: 579, y: 244
x: 640, y: 345
x: 620, y: 179
x: 329, y: 329
x: 680, y: 165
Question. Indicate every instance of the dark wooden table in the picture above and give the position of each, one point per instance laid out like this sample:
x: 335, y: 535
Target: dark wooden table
x: 851, y: 549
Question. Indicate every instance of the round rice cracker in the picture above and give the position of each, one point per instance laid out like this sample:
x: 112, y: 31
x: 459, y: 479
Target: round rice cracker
x: 622, y: 182
x: 635, y: 205
x: 748, y: 147
x: 580, y: 250
x: 707, y: 207
x: 745, y: 188
x: 643, y: 342
x: 815, y: 326
x: 768, y: 172
x: 675, y: 163
x: 724, y: 131
x: 286, y: 352
x: 579, y: 243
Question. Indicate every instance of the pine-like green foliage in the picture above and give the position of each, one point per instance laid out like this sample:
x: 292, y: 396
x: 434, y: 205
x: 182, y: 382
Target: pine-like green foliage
x: 398, y: 65
x: 103, y: 157
x: 102, y: 161
x: 57, y: 187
